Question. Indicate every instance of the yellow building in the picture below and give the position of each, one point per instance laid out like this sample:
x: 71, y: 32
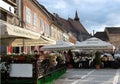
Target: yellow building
x: 113, y: 34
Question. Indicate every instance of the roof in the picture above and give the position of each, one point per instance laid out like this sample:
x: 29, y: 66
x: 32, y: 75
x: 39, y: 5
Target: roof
x: 44, y: 10
x: 59, y: 21
x: 77, y: 25
x: 113, y: 30
x: 66, y: 24
x: 101, y: 35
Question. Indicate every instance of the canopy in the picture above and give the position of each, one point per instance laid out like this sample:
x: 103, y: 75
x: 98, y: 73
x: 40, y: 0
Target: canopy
x: 11, y: 31
x: 60, y: 45
x: 16, y: 36
x: 93, y: 44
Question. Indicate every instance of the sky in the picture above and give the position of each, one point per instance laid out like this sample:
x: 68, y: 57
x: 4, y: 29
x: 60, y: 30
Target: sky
x: 93, y: 14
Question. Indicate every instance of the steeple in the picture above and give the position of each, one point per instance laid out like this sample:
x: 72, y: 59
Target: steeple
x: 76, y: 16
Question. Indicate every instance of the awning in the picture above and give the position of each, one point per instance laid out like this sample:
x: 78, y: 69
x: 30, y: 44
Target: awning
x: 11, y: 31
x: 30, y: 42
x: 16, y: 36
x: 48, y: 39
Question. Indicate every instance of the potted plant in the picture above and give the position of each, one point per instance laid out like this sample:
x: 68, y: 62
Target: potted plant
x: 97, y: 60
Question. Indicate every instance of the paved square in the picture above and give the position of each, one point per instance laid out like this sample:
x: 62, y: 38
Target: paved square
x: 90, y: 76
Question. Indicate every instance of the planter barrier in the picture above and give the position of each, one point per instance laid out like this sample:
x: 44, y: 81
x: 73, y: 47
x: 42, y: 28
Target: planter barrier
x: 39, y: 74
x: 48, y: 79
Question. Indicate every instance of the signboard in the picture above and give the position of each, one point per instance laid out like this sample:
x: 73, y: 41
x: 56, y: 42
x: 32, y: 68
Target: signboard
x: 21, y: 70
x: 6, y: 6
x: 9, y: 30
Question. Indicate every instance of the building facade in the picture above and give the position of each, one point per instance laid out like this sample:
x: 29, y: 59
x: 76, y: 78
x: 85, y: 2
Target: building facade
x: 78, y: 30
x: 74, y: 28
x: 8, y: 15
x: 58, y: 31
x: 102, y: 35
x: 29, y: 26
x: 35, y: 17
x: 110, y: 34
x: 114, y: 36
x: 64, y: 26
x: 26, y: 18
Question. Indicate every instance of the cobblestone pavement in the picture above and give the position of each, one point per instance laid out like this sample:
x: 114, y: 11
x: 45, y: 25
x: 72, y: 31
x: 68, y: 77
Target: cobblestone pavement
x: 90, y: 76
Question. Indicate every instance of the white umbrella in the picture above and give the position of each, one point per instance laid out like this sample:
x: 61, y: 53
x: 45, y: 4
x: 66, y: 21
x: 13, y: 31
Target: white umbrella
x: 60, y: 45
x: 93, y: 44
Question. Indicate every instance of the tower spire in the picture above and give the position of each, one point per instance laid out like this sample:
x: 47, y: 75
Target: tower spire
x: 76, y: 16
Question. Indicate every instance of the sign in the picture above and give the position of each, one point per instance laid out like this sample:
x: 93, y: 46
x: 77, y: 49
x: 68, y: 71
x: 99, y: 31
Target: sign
x: 9, y: 30
x: 6, y: 6
x: 19, y: 42
x: 21, y: 70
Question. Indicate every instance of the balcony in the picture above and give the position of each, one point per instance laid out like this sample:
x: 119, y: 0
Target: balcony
x: 11, y: 2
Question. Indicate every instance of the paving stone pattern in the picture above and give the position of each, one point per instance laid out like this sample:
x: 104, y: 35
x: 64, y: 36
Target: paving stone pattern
x: 90, y: 76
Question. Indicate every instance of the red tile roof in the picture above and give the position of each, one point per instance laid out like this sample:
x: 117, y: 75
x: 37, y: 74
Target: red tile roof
x: 66, y: 24
x: 77, y: 25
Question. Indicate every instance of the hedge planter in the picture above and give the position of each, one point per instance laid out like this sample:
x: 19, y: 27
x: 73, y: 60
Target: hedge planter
x: 97, y: 60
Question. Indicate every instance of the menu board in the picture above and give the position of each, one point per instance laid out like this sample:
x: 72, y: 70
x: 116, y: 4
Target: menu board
x: 21, y: 70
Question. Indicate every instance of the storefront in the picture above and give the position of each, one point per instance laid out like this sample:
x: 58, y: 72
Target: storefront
x: 19, y: 40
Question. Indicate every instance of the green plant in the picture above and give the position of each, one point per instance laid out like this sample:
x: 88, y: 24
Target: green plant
x: 97, y: 58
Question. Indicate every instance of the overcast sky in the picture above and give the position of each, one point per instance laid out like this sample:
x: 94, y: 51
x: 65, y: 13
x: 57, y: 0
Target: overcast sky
x: 93, y: 14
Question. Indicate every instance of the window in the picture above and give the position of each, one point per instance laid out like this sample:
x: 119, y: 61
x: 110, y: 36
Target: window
x: 61, y: 36
x: 15, y: 49
x: 46, y: 28
x: 35, y: 19
x: 54, y: 32
x: 3, y: 15
x: 51, y: 31
x: 40, y: 23
x: 28, y: 15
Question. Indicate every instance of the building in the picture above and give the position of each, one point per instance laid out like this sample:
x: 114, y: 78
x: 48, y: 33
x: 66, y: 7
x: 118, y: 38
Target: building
x: 27, y: 25
x: 24, y: 24
x: 102, y: 35
x: 78, y: 29
x: 65, y: 28
x: 32, y: 25
x: 74, y: 28
x: 114, y: 35
x: 8, y: 11
x: 8, y: 16
x: 110, y: 34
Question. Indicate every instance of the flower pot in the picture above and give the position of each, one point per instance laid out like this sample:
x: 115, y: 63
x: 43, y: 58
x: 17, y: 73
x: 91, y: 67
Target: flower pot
x: 20, y: 58
x: 97, y: 66
x: 70, y: 66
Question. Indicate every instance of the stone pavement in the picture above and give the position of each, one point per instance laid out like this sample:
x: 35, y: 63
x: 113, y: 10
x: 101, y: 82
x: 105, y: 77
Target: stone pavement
x: 90, y: 76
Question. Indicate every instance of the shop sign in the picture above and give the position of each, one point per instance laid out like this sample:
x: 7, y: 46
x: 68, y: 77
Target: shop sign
x: 6, y: 6
x: 11, y: 30
x: 21, y: 70
x: 25, y: 33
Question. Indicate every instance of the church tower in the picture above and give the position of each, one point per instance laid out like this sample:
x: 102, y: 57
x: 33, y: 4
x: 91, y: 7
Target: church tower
x: 76, y: 16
